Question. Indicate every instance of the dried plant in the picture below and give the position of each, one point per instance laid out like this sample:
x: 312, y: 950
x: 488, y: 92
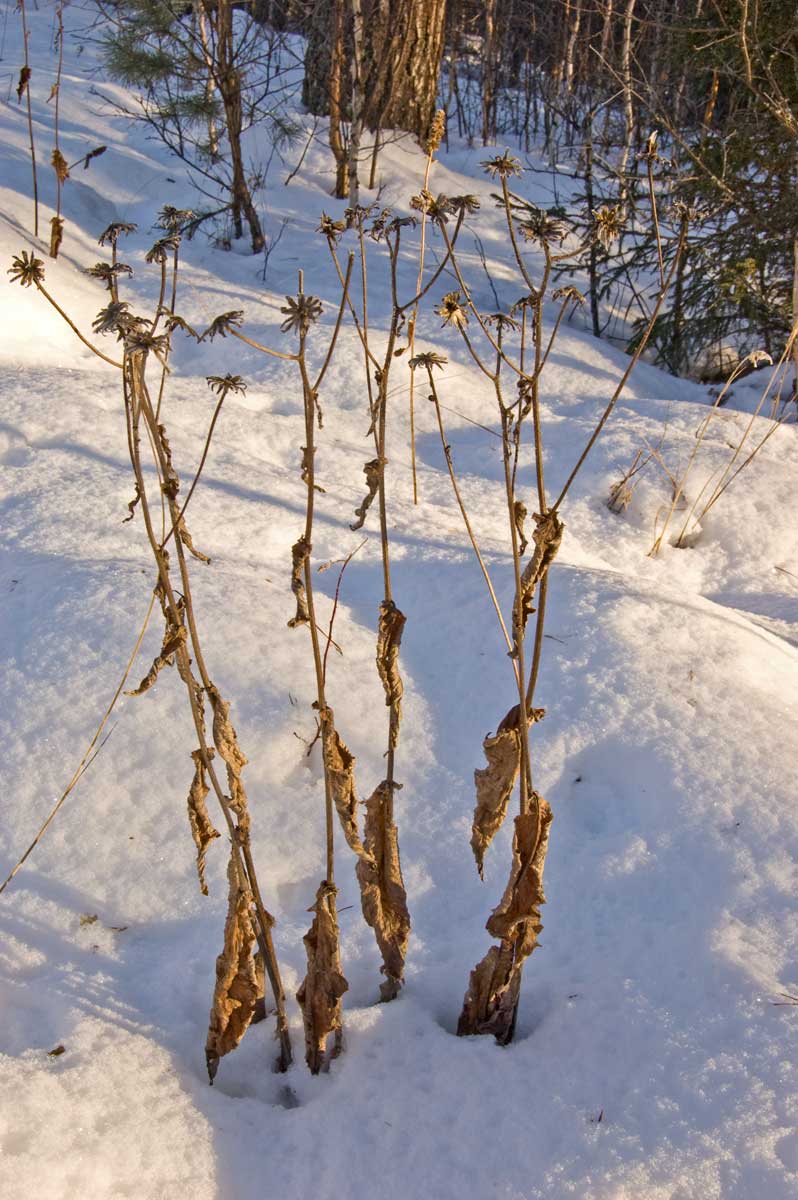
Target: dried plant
x: 491, y: 1001
x: 239, y: 976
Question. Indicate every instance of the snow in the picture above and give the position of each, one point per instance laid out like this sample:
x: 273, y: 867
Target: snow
x: 653, y: 1059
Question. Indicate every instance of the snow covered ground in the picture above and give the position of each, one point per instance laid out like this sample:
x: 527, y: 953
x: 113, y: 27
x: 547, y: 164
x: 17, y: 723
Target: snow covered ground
x: 652, y: 1060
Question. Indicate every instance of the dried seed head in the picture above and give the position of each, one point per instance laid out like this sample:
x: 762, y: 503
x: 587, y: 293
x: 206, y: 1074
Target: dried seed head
x: 116, y: 230
x: 467, y: 203
x: 223, y: 324
x: 437, y: 208
x: 117, y: 318
x: 436, y: 131
x: 758, y: 358
x: 300, y: 312
x: 26, y: 269
x: 537, y: 225
x: 330, y: 228
x: 174, y: 220
x: 502, y: 321
x: 529, y: 301
x: 429, y: 360
x: 108, y: 273
x: 504, y: 166
x: 452, y: 311
x: 607, y: 224
x: 173, y: 321
x: 159, y: 251
x: 568, y: 294
x: 222, y: 384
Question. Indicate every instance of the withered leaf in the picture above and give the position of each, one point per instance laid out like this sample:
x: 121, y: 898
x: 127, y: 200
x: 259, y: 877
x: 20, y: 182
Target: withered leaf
x: 373, y: 472
x: 324, y: 984
x: 382, y: 890
x: 173, y: 640
x: 202, y: 828
x: 24, y: 80
x: 239, y: 977
x: 131, y: 508
x: 56, y: 1051
x: 56, y: 235
x: 547, y: 536
x: 389, y: 637
x: 300, y: 552
x: 491, y: 1000
x: 59, y: 165
x: 520, y: 512
x: 339, y: 766
x: 226, y: 741
x: 185, y: 538
x: 495, y: 782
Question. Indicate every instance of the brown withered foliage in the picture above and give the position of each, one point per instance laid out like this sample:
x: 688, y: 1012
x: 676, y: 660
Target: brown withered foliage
x: 389, y: 637
x: 225, y: 740
x: 56, y: 235
x: 59, y: 165
x: 174, y: 637
x: 239, y: 977
x: 339, y: 766
x: 382, y: 889
x: 202, y: 828
x: 495, y: 782
x: 491, y: 1001
x: 300, y: 552
x: 322, y: 988
x: 547, y: 536
x: 22, y: 85
x: 520, y: 518
x: 373, y: 471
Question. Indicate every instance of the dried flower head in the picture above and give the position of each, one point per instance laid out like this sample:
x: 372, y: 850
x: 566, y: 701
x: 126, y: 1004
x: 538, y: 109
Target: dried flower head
x: 504, y: 166
x: 159, y: 251
x: 300, y: 313
x: 436, y: 131
x: 222, y: 384
x: 173, y: 322
x: 117, y: 318
x: 429, y: 360
x: 530, y: 301
x: 537, y: 225
x: 108, y: 273
x: 138, y: 338
x: 452, y: 311
x: 467, y: 204
x: 116, y: 230
x: 437, y: 208
x: 502, y: 322
x: 568, y: 294
x: 330, y: 228
x: 174, y: 220
x: 607, y: 224
x: 223, y: 324
x: 26, y: 269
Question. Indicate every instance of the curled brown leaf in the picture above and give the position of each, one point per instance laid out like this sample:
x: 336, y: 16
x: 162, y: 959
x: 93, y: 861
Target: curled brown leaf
x: 324, y: 984
x: 239, y: 977
x: 382, y: 889
x: 202, y: 828
x: 300, y: 552
x: 373, y: 472
x: 389, y: 637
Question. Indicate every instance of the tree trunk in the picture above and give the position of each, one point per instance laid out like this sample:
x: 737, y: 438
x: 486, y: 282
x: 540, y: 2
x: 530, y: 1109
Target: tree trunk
x: 402, y: 50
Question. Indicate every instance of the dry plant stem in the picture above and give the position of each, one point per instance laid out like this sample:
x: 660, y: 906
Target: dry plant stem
x: 411, y: 340
x: 137, y: 398
x: 172, y: 304
x: 263, y: 349
x: 88, y: 757
x: 195, y: 480
x: 625, y: 377
x: 57, y: 92
x: 25, y: 39
x: 463, y: 512
x: 111, y: 362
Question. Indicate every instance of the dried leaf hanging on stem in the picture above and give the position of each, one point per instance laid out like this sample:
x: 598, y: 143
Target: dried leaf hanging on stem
x: 491, y: 1001
x: 202, y: 828
x: 300, y: 552
x: 382, y: 888
x: 373, y: 471
x: 495, y: 782
x: 324, y: 984
x: 389, y: 637
x: 239, y: 977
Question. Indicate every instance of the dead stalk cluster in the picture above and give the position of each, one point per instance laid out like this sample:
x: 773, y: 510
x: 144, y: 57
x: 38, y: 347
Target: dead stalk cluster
x: 510, y: 351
